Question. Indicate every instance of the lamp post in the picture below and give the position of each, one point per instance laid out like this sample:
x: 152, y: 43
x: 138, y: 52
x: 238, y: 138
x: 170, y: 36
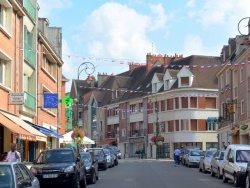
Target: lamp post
x: 89, y: 69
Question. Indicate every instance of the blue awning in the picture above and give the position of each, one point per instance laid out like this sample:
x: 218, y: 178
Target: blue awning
x: 45, y: 130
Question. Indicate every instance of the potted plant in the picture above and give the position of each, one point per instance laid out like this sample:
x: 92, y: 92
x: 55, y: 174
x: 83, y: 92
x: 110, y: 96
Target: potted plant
x: 77, y: 136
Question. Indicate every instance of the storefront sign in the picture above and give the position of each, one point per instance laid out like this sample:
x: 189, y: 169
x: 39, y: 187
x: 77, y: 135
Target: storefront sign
x: 16, y: 98
x: 136, y: 140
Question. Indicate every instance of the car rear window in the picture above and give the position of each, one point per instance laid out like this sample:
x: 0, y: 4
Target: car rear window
x: 196, y: 153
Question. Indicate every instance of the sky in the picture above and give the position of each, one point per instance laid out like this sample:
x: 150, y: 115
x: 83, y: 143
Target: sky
x: 112, y: 34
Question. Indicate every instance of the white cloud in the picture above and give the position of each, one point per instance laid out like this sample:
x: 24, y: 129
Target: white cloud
x: 159, y: 20
x: 117, y: 31
x: 48, y: 6
x: 224, y: 13
x: 190, y: 3
x: 193, y: 45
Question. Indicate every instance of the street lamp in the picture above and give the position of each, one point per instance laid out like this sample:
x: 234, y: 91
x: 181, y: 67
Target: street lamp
x: 89, y: 69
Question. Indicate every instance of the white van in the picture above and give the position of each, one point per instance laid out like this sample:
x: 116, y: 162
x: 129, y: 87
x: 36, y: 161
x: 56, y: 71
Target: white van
x: 235, y: 162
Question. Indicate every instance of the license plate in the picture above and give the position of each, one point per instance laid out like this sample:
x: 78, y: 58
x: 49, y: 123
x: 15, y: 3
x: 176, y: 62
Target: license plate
x: 50, y: 175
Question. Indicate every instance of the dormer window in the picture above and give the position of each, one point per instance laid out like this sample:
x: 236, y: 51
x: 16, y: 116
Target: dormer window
x: 155, y: 87
x: 185, y: 81
x: 167, y: 85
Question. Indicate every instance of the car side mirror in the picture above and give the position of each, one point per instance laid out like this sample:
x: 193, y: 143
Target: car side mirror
x: 25, y: 184
x: 231, y: 160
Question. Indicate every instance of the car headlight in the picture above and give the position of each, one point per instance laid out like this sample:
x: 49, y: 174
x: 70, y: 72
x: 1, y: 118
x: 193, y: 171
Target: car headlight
x: 69, y: 169
x: 87, y: 167
x: 33, y: 170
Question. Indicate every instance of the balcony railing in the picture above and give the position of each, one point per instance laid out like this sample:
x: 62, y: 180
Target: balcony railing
x: 29, y: 54
x: 138, y: 132
x: 31, y: 8
x: 30, y: 101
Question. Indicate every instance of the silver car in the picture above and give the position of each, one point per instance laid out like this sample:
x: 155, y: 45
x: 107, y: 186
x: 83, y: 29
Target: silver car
x: 17, y: 175
x: 193, y: 157
x: 205, y: 161
x: 216, y: 164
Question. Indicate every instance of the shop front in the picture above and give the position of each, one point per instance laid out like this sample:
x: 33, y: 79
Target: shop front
x: 136, y: 146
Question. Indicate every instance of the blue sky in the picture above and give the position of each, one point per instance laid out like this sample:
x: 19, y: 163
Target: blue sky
x: 110, y: 34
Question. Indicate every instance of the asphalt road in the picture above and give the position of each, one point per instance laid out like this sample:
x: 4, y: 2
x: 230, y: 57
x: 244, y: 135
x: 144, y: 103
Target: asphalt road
x: 143, y: 173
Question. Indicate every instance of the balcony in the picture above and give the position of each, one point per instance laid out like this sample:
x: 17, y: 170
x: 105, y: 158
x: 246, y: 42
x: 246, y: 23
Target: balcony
x: 30, y: 101
x: 31, y: 9
x: 29, y: 54
x: 137, y: 133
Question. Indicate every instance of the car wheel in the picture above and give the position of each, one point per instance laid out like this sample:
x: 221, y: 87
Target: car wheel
x: 200, y: 168
x: 76, y: 184
x: 218, y: 174
x: 203, y: 169
x: 83, y: 183
x: 212, y: 172
x: 93, y: 179
x: 224, y: 178
x: 236, y: 181
x: 247, y: 184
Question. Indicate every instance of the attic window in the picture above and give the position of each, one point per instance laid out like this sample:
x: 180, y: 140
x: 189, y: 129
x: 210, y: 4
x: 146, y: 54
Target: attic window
x: 184, y: 81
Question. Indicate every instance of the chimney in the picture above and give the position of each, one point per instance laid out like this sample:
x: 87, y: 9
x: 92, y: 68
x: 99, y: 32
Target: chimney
x: 101, y: 78
x: 132, y: 66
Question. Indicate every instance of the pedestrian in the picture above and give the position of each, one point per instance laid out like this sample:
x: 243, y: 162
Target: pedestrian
x: 177, y: 153
x: 13, y: 155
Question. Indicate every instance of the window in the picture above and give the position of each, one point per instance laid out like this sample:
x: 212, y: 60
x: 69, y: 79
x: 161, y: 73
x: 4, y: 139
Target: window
x: 228, y: 77
x: 123, y: 132
x: 241, y: 74
x: 5, y: 16
x: 49, y: 66
x: 123, y: 114
x: 113, y: 94
x: 210, y: 102
x: 100, y: 125
x: 155, y: 87
x: 184, y: 102
x: 5, y: 72
x: 184, y: 81
x: 140, y: 107
x: 167, y: 85
x: 176, y: 100
x: 193, y: 123
x: 242, y: 107
x: 222, y: 82
x: 109, y: 112
x: 116, y: 94
x: 132, y: 108
x: 193, y: 102
x: 116, y: 111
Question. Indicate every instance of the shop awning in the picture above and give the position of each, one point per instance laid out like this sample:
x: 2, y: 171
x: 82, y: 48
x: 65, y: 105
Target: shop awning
x: 17, y: 131
x: 108, y: 141
x: 39, y: 136
x: 44, y: 130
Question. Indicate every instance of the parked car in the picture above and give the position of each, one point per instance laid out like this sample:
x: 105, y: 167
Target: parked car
x: 205, y: 160
x: 61, y: 166
x: 247, y: 182
x: 216, y: 164
x: 110, y: 158
x: 91, y: 166
x: 235, y: 163
x: 114, y: 153
x: 186, y: 150
x: 17, y: 175
x: 118, y: 152
x: 100, y: 156
x: 193, y: 157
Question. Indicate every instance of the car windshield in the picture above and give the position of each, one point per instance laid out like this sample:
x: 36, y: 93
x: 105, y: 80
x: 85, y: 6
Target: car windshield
x: 210, y: 153
x: 242, y: 156
x: 86, y: 157
x: 196, y: 153
x: 59, y: 156
x: 222, y: 154
x: 6, y: 179
x: 106, y: 151
x: 96, y: 152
